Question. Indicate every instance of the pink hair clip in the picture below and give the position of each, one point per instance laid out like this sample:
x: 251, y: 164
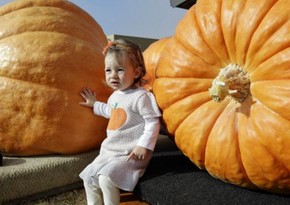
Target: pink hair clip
x: 110, y: 43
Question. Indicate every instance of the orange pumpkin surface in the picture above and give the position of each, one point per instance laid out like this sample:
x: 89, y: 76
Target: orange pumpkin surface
x: 49, y: 50
x: 223, y: 83
x: 151, y: 59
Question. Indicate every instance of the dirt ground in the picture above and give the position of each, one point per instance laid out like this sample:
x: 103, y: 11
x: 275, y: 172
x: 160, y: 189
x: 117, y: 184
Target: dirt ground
x: 77, y: 197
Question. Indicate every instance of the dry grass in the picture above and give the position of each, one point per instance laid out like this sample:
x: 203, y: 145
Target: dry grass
x: 75, y: 197
x: 78, y: 197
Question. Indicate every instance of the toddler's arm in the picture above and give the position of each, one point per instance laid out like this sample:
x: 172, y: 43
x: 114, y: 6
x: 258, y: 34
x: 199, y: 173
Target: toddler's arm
x: 150, y: 134
x: 91, y: 101
x: 147, y: 141
x: 89, y: 96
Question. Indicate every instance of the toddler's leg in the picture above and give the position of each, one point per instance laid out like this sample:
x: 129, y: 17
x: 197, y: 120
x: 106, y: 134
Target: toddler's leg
x: 111, y: 193
x: 93, y: 194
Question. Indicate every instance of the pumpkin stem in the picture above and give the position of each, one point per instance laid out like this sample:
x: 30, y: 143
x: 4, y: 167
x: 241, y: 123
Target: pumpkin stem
x: 232, y: 81
x: 115, y: 105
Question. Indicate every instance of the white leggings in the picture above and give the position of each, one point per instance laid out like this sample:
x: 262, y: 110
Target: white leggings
x: 106, y: 194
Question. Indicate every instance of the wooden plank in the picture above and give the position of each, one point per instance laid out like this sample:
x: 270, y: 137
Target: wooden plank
x: 128, y: 198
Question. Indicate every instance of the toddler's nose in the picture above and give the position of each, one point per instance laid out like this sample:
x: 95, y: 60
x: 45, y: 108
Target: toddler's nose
x: 114, y: 75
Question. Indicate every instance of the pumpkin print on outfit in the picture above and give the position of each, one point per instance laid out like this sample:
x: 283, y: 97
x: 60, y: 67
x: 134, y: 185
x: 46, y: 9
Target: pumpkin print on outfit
x: 49, y: 50
x: 117, y: 119
x: 223, y: 84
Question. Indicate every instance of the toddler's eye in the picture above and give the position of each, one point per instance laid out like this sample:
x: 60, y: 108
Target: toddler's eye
x: 107, y: 70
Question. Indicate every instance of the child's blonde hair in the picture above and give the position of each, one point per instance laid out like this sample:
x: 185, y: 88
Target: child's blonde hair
x: 123, y: 48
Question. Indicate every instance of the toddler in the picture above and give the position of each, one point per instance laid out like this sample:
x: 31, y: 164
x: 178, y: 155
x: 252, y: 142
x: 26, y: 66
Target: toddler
x: 132, y: 129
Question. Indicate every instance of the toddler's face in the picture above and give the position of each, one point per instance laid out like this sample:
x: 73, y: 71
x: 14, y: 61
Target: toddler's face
x: 120, y: 76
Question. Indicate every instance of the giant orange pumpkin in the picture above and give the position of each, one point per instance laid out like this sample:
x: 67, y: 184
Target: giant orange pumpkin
x: 223, y: 83
x: 49, y: 51
x: 151, y: 59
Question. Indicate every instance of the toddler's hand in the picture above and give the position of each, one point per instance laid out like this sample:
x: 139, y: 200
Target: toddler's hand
x: 89, y: 96
x: 139, y: 153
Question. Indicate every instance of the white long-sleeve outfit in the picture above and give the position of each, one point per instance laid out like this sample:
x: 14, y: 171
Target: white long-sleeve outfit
x: 134, y: 120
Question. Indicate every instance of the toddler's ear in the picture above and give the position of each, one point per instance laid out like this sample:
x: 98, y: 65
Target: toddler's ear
x: 138, y: 72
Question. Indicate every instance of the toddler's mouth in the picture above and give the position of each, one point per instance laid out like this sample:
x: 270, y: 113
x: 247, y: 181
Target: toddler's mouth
x: 115, y: 83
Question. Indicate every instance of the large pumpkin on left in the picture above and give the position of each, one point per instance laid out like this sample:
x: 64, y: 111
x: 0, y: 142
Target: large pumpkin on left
x: 49, y: 51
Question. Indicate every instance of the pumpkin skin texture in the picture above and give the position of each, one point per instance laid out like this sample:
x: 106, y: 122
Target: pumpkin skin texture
x: 49, y: 51
x: 243, y: 141
x: 151, y: 58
